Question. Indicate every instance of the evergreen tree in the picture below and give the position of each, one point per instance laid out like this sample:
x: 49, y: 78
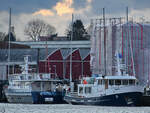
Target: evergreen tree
x: 79, y: 32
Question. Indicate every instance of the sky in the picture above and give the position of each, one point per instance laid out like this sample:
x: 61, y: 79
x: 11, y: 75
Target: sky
x: 58, y: 13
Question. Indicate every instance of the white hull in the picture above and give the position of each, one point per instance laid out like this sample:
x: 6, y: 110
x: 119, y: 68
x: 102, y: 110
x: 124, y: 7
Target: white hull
x: 19, y: 98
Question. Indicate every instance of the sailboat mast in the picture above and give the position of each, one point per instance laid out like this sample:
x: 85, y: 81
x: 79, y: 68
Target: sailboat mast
x: 71, y: 49
x: 127, y: 14
x: 104, y: 42
x: 9, y: 39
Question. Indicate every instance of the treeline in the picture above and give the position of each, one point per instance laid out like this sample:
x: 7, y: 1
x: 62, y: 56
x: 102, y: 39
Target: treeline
x: 37, y: 28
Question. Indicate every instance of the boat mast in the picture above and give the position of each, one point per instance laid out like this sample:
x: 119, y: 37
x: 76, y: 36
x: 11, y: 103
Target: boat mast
x: 104, y: 42
x: 127, y: 14
x: 130, y: 42
x: 71, y: 50
x: 9, y: 39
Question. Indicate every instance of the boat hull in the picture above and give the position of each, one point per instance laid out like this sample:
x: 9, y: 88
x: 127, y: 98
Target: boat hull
x: 41, y: 97
x: 122, y: 99
x: 146, y: 100
x: 19, y: 97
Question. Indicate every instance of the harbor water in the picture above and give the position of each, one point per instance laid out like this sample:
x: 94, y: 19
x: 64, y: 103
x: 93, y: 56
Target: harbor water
x: 67, y: 108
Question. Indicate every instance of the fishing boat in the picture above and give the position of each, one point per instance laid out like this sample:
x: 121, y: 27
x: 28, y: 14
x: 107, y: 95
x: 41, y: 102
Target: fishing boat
x: 19, y: 88
x: 102, y: 88
x: 119, y: 90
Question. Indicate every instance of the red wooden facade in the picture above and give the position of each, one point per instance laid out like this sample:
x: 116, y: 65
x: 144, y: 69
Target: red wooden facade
x: 60, y: 67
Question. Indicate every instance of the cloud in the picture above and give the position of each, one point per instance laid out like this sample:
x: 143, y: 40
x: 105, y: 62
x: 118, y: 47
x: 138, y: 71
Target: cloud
x: 44, y: 12
x: 19, y: 21
x: 140, y: 15
x: 64, y: 7
x: 50, y: 16
x: 59, y: 15
x: 89, y: 1
x: 61, y: 8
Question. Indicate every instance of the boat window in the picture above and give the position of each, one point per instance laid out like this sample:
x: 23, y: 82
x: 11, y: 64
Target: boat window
x: 124, y: 82
x: 91, y: 81
x: 111, y: 82
x: 29, y: 77
x: 99, y: 81
x: 131, y: 82
x: 87, y: 89
x: 80, y: 89
x: 117, y: 82
x: 103, y: 82
x: 22, y: 77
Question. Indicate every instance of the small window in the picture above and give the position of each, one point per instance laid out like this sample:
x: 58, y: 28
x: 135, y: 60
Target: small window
x: 81, y: 90
x: 103, y: 82
x: 99, y: 81
x: 91, y: 81
x: 87, y: 89
x: 125, y: 82
x: 111, y: 82
x: 117, y: 82
x: 131, y: 82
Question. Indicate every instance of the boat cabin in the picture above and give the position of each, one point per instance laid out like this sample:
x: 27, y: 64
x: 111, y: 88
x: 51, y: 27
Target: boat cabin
x: 47, y: 85
x: 103, y: 85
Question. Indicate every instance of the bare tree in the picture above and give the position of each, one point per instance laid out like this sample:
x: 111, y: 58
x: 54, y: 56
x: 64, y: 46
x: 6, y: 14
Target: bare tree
x: 36, y: 28
x: 2, y: 36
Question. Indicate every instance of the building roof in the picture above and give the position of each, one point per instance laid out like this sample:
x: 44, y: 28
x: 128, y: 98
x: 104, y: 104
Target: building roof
x: 4, y: 45
x: 17, y: 55
x: 20, y: 49
x: 55, y: 44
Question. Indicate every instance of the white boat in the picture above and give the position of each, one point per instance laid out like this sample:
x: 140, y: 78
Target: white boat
x: 19, y: 88
x: 19, y: 91
x: 33, y: 87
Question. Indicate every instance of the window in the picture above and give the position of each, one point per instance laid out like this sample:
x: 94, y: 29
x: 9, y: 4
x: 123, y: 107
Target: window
x: 125, y: 82
x: 111, y: 82
x: 81, y: 90
x: 87, y: 89
x: 117, y: 82
x: 99, y: 81
x: 103, y: 82
x: 131, y: 82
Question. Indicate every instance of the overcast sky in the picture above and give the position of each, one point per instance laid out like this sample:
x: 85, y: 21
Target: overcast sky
x: 58, y: 12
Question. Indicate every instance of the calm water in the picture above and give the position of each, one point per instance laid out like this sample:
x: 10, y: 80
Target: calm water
x: 66, y: 108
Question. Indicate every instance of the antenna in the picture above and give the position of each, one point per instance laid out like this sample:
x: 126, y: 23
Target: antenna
x: 9, y: 39
x: 104, y: 42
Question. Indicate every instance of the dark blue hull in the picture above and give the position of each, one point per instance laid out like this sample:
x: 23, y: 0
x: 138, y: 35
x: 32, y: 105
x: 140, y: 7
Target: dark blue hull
x: 122, y: 99
x: 39, y: 97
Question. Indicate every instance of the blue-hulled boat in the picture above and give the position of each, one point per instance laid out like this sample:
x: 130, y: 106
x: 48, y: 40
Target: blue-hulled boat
x: 48, y: 91
x: 107, y: 91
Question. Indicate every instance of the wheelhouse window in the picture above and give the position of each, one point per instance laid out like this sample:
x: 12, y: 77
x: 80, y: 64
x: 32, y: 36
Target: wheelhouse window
x: 99, y: 81
x: 131, y: 82
x: 124, y: 82
x: 91, y: 81
x: 111, y: 82
x: 87, y: 89
x: 80, y: 90
x: 117, y: 82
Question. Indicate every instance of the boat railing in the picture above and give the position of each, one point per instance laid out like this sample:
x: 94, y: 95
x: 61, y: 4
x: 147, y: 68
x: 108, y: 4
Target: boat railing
x: 74, y: 94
